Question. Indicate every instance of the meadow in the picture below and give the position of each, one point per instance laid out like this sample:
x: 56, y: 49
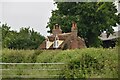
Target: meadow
x: 77, y: 63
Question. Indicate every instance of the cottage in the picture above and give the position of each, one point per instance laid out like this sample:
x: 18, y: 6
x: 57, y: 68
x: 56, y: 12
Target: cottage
x: 59, y: 40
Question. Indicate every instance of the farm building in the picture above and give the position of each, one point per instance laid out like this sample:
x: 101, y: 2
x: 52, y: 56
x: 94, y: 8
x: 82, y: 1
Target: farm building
x: 111, y: 40
x: 59, y: 40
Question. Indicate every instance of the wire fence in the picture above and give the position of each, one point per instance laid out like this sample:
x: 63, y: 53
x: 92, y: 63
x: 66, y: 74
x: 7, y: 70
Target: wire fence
x: 31, y: 70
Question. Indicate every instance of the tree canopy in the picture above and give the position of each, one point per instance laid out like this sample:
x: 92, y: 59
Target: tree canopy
x: 24, y: 39
x: 92, y: 19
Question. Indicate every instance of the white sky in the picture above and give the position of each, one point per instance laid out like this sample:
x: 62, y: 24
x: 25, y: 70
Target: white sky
x: 25, y: 13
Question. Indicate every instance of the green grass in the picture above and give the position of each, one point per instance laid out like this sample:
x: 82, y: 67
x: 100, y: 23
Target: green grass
x: 79, y: 63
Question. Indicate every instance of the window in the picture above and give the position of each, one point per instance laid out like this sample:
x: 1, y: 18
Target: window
x: 55, y: 45
x: 56, y: 42
x: 47, y: 43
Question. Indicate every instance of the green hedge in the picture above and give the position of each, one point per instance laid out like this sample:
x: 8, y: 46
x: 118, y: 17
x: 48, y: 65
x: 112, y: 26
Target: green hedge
x: 19, y: 56
x: 92, y: 63
x: 80, y: 63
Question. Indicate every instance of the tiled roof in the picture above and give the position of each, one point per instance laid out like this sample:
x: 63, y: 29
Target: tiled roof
x: 61, y: 36
x: 115, y: 35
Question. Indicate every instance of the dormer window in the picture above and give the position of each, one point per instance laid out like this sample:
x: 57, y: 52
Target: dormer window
x: 47, y: 43
x: 56, y: 42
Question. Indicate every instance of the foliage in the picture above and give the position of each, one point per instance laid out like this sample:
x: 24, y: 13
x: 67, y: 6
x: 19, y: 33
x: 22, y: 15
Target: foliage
x: 92, y: 63
x: 79, y: 63
x: 24, y: 39
x: 92, y: 19
x: 19, y: 56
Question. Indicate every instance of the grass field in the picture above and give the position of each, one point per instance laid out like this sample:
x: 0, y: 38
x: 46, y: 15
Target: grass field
x: 78, y: 63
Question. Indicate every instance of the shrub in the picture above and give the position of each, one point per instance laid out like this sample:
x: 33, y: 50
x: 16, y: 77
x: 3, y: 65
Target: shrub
x: 20, y: 56
x: 79, y: 63
x: 91, y: 63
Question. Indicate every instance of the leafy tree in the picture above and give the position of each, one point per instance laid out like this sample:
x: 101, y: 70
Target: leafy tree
x: 24, y: 39
x: 5, y: 35
x: 92, y: 19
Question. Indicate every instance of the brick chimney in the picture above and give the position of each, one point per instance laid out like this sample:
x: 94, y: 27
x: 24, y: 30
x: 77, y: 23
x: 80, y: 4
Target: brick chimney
x: 74, y: 29
x: 74, y: 42
x: 56, y: 30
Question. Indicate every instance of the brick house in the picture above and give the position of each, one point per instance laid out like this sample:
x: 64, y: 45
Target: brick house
x: 59, y: 40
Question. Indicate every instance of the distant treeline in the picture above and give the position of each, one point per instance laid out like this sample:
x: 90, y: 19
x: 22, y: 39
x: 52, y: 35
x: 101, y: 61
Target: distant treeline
x: 24, y: 39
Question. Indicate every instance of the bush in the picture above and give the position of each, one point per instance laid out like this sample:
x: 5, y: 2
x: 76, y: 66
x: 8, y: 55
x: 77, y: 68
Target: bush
x: 79, y: 63
x: 91, y: 63
x: 20, y: 56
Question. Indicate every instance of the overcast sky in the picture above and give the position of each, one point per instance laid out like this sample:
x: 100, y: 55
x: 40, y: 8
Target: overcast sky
x: 25, y: 13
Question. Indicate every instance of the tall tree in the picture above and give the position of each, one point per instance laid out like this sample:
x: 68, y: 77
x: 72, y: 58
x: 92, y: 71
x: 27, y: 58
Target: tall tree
x: 92, y: 19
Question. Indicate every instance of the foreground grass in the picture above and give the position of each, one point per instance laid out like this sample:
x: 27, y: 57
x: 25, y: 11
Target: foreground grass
x: 80, y: 63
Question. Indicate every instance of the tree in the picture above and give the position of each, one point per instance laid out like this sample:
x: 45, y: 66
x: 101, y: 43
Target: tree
x: 6, y: 35
x: 24, y: 39
x: 92, y: 19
